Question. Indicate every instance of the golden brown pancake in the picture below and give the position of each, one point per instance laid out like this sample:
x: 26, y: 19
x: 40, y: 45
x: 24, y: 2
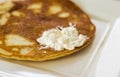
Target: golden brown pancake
x: 26, y: 20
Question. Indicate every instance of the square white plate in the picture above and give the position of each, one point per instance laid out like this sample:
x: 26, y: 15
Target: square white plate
x: 74, y: 65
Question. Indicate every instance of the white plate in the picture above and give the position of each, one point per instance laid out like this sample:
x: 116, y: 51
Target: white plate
x: 107, y: 10
x: 108, y: 64
x: 74, y: 65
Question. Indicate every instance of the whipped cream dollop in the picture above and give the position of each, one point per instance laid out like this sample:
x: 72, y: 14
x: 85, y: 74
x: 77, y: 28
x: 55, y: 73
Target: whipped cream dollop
x: 62, y: 38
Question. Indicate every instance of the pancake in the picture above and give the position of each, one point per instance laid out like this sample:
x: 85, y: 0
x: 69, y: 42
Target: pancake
x: 25, y: 20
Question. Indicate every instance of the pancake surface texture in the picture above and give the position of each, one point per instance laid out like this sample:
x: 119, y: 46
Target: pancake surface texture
x: 24, y: 21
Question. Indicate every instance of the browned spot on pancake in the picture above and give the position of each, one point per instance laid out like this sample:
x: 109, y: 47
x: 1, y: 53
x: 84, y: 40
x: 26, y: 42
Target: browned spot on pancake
x: 54, y: 9
x: 64, y: 15
x: 16, y: 40
x: 4, y: 18
x: 25, y: 50
x: 18, y: 14
x: 4, y: 52
x: 1, y: 42
x: 15, y: 49
x: 6, y: 6
x: 36, y: 7
x: 91, y: 27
